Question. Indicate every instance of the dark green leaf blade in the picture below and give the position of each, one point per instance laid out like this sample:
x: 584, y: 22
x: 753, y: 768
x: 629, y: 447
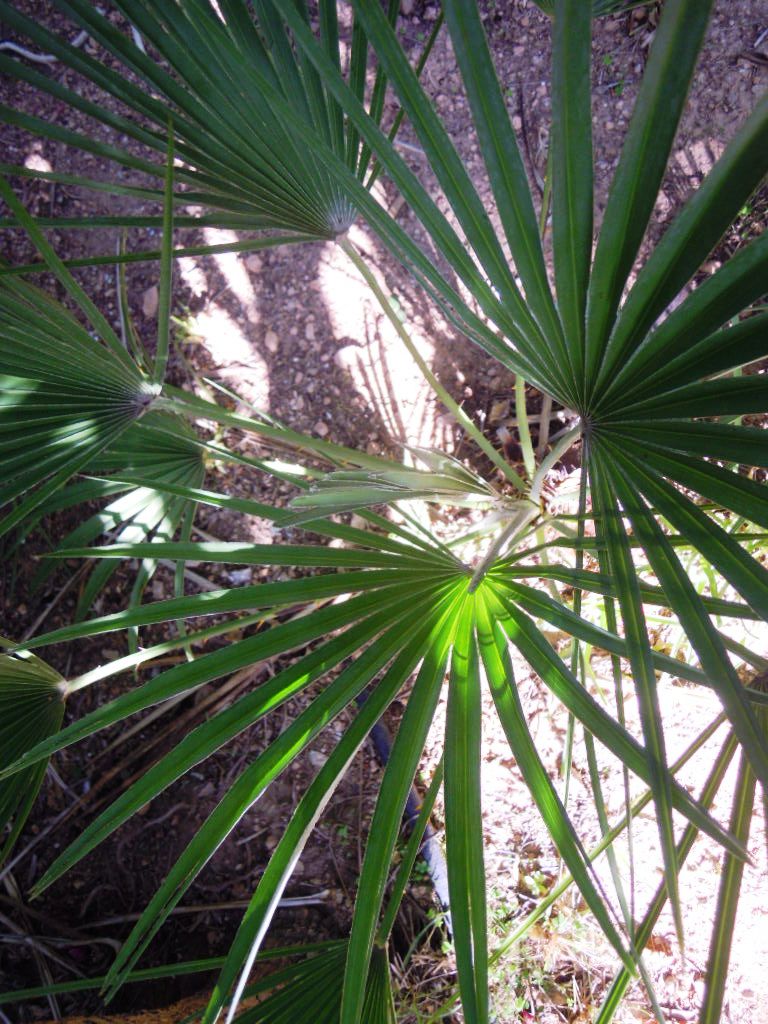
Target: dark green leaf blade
x: 618, y: 560
x: 728, y: 897
x: 571, y: 142
x: 698, y: 628
x: 463, y: 820
x: 503, y: 161
x: 691, y: 236
x: 641, y: 166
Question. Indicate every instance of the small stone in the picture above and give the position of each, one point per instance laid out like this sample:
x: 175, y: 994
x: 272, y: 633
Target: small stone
x: 271, y: 342
x: 37, y: 162
x: 320, y: 428
x: 149, y: 301
x: 240, y: 576
x: 309, y: 332
x: 253, y: 263
x: 317, y: 759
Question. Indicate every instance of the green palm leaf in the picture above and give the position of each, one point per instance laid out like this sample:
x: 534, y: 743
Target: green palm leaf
x: 66, y: 398
x: 644, y: 932
x: 160, y: 448
x: 463, y: 821
x: 503, y: 160
x: 617, y: 561
x: 31, y: 709
x: 311, y: 989
x: 349, y: 490
x: 212, y: 735
x: 501, y: 680
x: 238, y: 159
x: 691, y: 237
x: 572, y: 171
x: 728, y: 896
x: 533, y: 646
x: 67, y: 394
x: 398, y: 643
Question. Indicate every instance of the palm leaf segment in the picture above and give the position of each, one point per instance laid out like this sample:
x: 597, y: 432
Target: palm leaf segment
x: 237, y: 159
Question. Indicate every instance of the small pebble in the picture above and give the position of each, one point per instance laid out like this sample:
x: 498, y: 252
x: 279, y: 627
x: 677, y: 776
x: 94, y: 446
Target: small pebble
x: 271, y: 342
x: 150, y: 301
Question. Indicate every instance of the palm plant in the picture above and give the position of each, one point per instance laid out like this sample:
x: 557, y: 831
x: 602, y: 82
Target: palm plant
x: 663, y: 448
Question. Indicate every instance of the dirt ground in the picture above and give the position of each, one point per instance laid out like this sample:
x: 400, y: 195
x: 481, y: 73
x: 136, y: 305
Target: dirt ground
x: 296, y: 333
